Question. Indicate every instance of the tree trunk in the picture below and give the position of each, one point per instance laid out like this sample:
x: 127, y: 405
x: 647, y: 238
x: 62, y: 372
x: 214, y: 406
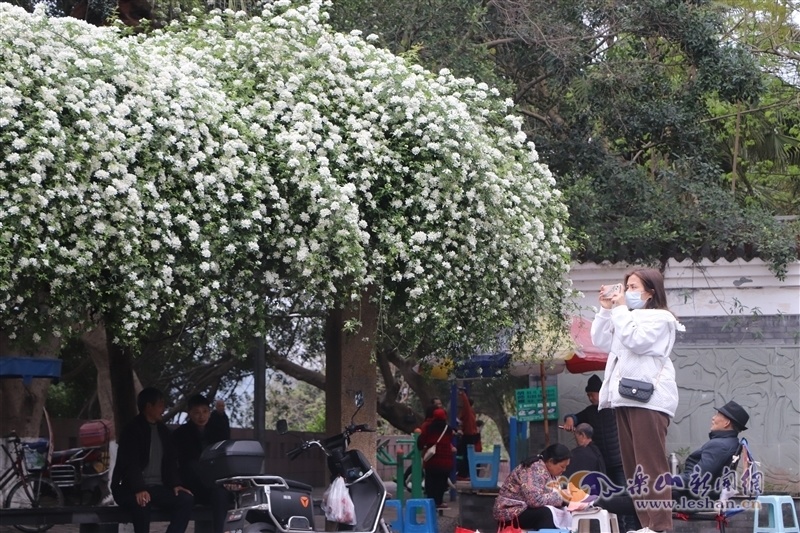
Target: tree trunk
x: 96, y: 345
x: 123, y: 389
x: 350, y: 368
x: 736, y: 142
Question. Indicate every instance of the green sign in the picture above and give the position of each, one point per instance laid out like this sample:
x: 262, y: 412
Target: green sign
x: 530, y: 407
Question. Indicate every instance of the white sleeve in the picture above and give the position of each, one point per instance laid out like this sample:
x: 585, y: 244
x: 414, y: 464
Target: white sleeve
x: 647, y: 332
x: 603, y: 330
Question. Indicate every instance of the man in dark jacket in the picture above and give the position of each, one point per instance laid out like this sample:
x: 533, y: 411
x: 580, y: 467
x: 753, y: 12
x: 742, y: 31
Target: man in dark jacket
x: 146, y: 470
x: 219, y: 419
x: 606, y: 438
x: 706, y: 465
x: 586, y: 455
x: 703, y: 466
x: 604, y: 424
x: 190, y: 440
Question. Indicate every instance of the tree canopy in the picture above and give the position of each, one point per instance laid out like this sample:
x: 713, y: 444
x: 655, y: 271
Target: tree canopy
x: 215, y: 174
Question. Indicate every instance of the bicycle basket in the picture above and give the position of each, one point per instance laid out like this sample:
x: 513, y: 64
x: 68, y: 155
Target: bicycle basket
x: 34, y: 460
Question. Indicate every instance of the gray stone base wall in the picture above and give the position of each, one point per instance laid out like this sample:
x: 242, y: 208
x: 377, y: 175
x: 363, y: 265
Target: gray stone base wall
x: 753, y: 328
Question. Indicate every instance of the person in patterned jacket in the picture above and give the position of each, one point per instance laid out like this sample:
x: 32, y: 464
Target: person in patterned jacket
x: 531, y: 489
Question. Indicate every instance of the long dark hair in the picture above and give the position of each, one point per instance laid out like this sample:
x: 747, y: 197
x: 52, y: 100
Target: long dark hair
x: 555, y: 453
x: 653, y: 282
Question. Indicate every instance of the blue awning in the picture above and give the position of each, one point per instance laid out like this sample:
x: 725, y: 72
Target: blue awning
x: 28, y: 368
x: 482, y: 366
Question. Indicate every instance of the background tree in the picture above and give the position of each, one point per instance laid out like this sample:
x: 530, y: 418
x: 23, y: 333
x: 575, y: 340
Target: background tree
x: 620, y: 99
x: 760, y: 143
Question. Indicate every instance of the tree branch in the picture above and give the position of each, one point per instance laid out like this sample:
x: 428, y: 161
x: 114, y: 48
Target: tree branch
x: 747, y: 111
x: 498, y: 42
x: 528, y: 86
x: 278, y: 362
x: 780, y: 53
x: 537, y: 116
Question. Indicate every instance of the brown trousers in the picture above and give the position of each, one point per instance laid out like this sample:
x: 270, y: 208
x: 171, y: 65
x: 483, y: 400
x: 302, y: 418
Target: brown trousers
x: 642, y: 442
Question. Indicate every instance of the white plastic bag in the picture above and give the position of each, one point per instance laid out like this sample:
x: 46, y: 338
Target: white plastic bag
x: 337, y: 504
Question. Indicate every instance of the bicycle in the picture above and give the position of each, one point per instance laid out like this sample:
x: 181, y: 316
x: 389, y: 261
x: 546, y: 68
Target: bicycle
x: 32, y: 490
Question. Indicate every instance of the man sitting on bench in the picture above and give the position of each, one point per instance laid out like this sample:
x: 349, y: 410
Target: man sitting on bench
x: 704, y: 467
x: 146, y: 471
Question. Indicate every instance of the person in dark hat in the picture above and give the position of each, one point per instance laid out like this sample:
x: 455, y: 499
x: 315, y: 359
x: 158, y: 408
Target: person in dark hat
x: 606, y: 438
x: 703, y: 467
x: 716, y: 454
x: 604, y: 424
x: 594, y: 384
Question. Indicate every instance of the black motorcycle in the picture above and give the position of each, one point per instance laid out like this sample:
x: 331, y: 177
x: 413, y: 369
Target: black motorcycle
x: 272, y: 504
x: 81, y: 474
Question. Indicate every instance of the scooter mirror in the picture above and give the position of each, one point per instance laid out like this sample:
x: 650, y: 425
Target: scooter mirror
x: 359, y: 399
x: 282, y: 427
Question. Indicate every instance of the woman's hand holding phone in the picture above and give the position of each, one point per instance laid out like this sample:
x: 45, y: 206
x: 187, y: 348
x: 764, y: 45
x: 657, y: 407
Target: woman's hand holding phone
x: 609, y: 294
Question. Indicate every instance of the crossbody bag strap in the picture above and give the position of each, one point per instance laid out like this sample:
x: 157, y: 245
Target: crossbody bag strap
x: 443, y: 432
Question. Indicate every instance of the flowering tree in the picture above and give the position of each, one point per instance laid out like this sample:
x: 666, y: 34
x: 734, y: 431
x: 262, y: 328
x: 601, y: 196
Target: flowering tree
x: 223, y: 168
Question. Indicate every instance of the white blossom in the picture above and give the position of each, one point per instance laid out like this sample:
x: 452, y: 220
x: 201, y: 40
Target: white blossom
x: 291, y: 156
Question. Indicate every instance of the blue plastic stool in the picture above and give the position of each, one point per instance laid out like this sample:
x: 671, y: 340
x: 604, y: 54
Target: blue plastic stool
x: 772, y: 507
x: 397, y: 523
x: 476, y: 459
x: 415, y: 508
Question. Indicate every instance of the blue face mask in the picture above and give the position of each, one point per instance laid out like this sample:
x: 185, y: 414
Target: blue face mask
x: 634, y: 300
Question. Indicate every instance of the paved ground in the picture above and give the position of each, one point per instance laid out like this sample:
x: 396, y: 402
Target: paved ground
x: 447, y: 524
x: 446, y: 521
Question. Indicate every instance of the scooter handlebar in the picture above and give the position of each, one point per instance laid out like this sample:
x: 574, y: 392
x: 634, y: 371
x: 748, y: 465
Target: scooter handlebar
x: 295, y: 452
x: 325, y: 445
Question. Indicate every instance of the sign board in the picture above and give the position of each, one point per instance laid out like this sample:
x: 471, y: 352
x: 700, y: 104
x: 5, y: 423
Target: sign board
x: 530, y: 406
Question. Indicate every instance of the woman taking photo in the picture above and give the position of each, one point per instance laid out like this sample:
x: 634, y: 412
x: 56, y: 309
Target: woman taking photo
x: 532, y: 487
x: 638, y: 331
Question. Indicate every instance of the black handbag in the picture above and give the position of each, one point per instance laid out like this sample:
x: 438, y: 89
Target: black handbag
x: 633, y: 389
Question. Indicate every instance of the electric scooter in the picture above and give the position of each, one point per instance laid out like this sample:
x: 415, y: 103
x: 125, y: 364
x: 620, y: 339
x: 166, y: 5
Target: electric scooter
x: 272, y: 504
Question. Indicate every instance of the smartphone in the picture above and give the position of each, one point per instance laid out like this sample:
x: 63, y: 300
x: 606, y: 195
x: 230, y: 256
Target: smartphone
x: 611, y: 291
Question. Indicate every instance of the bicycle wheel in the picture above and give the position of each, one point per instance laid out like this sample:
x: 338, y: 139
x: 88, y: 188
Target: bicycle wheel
x: 34, y: 492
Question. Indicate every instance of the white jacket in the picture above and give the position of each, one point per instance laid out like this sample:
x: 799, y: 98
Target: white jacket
x: 638, y: 343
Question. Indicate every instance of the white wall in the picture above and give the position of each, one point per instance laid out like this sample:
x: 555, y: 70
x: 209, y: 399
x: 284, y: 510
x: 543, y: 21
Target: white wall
x: 704, y: 288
